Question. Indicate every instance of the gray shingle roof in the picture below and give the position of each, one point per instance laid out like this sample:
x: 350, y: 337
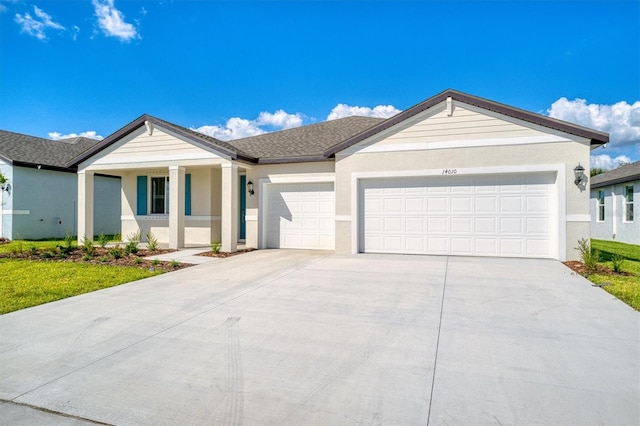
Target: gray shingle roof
x: 304, y: 143
x: 20, y: 149
x: 622, y: 174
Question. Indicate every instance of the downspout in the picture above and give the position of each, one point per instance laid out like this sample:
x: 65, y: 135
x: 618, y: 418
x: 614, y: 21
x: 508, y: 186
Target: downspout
x: 614, y: 219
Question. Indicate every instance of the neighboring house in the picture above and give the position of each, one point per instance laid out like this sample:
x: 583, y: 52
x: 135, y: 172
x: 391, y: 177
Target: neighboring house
x: 40, y: 199
x: 453, y: 175
x: 613, y: 197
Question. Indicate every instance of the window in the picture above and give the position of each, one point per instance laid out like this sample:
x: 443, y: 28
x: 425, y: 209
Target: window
x: 157, y: 200
x: 601, y: 205
x: 160, y: 195
x: 628, y: 203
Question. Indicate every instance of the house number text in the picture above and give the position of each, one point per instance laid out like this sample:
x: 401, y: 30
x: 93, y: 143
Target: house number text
x: 449, y: 171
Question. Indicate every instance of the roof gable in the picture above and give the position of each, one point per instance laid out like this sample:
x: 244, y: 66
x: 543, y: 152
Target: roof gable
x: 144, y: 122
x: 596, y: 138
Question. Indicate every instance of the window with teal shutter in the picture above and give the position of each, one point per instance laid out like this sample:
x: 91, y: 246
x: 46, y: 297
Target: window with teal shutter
x: 142, y: 196
x: 187, y: 194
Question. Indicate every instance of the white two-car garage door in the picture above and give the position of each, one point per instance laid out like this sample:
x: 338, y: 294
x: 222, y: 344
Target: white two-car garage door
x: 497, y: 215
x: 300, y: 216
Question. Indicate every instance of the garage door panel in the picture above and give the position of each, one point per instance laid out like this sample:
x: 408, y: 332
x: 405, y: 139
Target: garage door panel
x: 300, y: 216
x: 499, y: 215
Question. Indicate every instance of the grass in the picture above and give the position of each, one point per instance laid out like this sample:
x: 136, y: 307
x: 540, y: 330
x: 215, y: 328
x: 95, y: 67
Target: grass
x: 26, y: 283
x: 625, y: 288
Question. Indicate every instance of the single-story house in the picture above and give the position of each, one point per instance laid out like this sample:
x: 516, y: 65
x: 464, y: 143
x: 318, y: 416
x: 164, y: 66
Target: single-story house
x: 39, y: 199
x: 613, y: 196
x: 453, y: 175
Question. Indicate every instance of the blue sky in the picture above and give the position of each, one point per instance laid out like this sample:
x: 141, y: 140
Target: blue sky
x: 238, y: 68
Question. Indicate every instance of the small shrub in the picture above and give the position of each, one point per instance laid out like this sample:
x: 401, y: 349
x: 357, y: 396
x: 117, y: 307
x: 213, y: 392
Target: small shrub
x: 86, y: 257
x: 116, y: 252
x: 46, y: 255
x: 174, y: 263
x: 589, y: 257
x: 67, y: 245
x: 33, y: 250
x: 63, y: 254
x: 155, y: 262
x: 216, y: 246
x: 617, y: 261
x: 104, y: 259
x: 137, y: 261
x: 152, y: 241
x: 87, y: 247
x: 103, y: 240
x: 132, y: 243
x: 17, y: 247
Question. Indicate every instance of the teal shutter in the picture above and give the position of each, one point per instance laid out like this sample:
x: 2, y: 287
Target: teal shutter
x: 187, y: 194
x: 141, y: 209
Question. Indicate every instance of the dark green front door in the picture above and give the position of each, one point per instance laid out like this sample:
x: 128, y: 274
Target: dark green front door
x: 243, y: 208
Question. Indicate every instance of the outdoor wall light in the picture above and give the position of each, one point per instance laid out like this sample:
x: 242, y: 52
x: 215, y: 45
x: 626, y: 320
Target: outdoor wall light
x: 250, y: 188
x: 580, y: 176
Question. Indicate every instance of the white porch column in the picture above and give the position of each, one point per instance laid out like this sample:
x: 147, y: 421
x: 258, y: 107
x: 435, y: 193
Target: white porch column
x: 85, y: 205
x: 229, y: 212
x: 176, y: 207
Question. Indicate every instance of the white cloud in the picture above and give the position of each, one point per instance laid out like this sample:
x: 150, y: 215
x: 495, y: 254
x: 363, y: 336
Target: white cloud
x: 604, y: 161
x: 237, y: 128
x: 279, y: 119
x: 91, y: 134
x: 111, y: 21
x: 380, y: 111
x: 37, y: 26
x: 621, y: 120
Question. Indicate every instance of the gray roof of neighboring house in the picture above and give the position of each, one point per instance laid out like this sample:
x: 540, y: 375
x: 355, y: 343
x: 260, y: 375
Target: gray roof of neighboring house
x: 23, y: 150
x: 306, y: 143
x: 622, y: 174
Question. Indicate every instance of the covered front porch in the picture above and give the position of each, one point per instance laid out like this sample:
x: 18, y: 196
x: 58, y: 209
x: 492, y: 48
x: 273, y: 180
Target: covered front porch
x: 187, y: 204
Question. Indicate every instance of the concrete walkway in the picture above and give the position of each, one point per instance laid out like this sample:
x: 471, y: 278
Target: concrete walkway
x: 188, y: 255
x: 299, y: 337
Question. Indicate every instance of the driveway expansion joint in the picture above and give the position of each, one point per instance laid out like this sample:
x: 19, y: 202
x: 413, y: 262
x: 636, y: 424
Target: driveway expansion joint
x: 57, y: 413
x: 435, y: 360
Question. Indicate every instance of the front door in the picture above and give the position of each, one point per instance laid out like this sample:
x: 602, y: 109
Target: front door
x: 243, y: 208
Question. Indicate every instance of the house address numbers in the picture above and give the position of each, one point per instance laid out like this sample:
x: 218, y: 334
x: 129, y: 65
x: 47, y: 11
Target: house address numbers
x: 449, y: 171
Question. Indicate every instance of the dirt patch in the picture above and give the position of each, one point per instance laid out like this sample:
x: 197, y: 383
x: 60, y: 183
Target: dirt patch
x: 225, y: 253
x: 579, y: 268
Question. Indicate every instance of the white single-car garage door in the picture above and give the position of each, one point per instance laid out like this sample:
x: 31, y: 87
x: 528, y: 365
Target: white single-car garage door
x: 301, y: 216
x: 488, y: 215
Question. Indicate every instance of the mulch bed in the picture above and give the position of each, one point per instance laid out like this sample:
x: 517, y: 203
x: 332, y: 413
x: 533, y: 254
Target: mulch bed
x: 101, y: 257
x: 224, y: 254
x: 579, y: 268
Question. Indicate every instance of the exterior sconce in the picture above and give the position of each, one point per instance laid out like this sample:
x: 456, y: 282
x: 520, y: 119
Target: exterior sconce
x: 580, y: 176
x: 250, y: 188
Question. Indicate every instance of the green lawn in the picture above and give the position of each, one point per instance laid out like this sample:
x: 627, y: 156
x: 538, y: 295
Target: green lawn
x: 625, y: 288
x: 25, y: 283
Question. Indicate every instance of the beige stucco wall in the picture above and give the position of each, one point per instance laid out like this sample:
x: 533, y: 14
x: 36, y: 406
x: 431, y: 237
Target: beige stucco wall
x: 263, y: 174
x: 475, y: 160
x: 203, y: 225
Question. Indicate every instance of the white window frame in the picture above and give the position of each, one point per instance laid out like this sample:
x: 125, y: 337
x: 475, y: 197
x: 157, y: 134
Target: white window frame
x: 628, y: 203
x: 151, y: 195
x: 600, y: 206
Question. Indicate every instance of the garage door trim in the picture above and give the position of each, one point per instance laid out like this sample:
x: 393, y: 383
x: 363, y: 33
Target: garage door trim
x: 560, y: 192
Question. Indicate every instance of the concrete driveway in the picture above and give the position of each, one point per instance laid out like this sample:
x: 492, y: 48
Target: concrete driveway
x: 298, y: 337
